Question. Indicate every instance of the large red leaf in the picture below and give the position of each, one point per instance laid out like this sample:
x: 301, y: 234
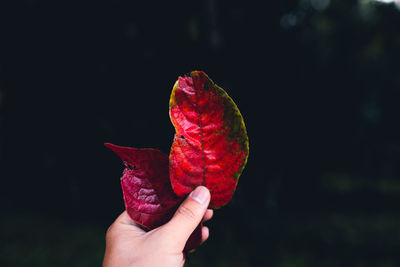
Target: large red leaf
x: 148, y: 195
x: 210, y: 146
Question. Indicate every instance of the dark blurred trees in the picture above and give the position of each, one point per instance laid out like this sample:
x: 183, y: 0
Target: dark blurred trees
x: 316, y: 80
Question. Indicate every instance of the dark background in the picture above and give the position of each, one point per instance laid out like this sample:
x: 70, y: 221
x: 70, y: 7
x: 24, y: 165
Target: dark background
x: 318, y: 84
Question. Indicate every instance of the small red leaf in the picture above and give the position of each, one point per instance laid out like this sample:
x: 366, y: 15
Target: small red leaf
x: 211, y: 146
x: 148, y: 196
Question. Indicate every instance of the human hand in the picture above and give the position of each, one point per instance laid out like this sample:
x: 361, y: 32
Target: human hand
x: 127, y: 244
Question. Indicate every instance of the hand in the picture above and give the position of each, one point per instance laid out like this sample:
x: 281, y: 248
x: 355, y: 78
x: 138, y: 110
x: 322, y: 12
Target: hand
x: 129, y: 245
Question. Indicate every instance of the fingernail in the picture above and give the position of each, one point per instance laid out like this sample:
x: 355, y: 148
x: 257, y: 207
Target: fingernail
x: 200, y: 194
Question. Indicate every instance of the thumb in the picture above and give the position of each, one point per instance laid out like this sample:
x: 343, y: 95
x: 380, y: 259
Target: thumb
x: 189, y: 215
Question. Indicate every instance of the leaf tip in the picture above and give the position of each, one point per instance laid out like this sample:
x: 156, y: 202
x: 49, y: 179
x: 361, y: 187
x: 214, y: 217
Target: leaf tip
x: 109, y: 145
x: 121, y: 152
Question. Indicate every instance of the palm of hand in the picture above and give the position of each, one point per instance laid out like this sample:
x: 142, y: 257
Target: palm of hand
x: 132, y: 246
x: 129, y: 245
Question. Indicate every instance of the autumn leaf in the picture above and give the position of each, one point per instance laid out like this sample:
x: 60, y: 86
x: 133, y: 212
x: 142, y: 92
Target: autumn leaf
x: 148, y: 195
x: 210, y: 146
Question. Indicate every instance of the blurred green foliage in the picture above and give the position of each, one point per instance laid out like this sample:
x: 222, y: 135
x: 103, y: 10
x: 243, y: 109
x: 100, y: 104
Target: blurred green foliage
x: 322, y: 184
x: 41, y: 241
x: 28, y: 240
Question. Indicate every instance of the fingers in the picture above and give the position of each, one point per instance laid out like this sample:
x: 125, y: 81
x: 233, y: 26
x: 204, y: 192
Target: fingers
x: 208, y: 215
x: 189, y: 215
x: 205, y: 233
x: 125, y: 222
x: 124, y: 218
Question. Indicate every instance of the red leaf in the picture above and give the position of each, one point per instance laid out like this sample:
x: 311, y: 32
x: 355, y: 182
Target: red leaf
x: 210, y: 146
x: 148, y: 196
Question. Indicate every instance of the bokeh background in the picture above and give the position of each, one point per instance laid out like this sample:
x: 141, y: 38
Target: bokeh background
x: 318, y: 84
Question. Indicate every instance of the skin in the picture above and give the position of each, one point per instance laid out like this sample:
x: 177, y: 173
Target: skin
x: 127, y: 244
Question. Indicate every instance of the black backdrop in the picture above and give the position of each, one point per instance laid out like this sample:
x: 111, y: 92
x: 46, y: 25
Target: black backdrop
x: 317, y: 84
